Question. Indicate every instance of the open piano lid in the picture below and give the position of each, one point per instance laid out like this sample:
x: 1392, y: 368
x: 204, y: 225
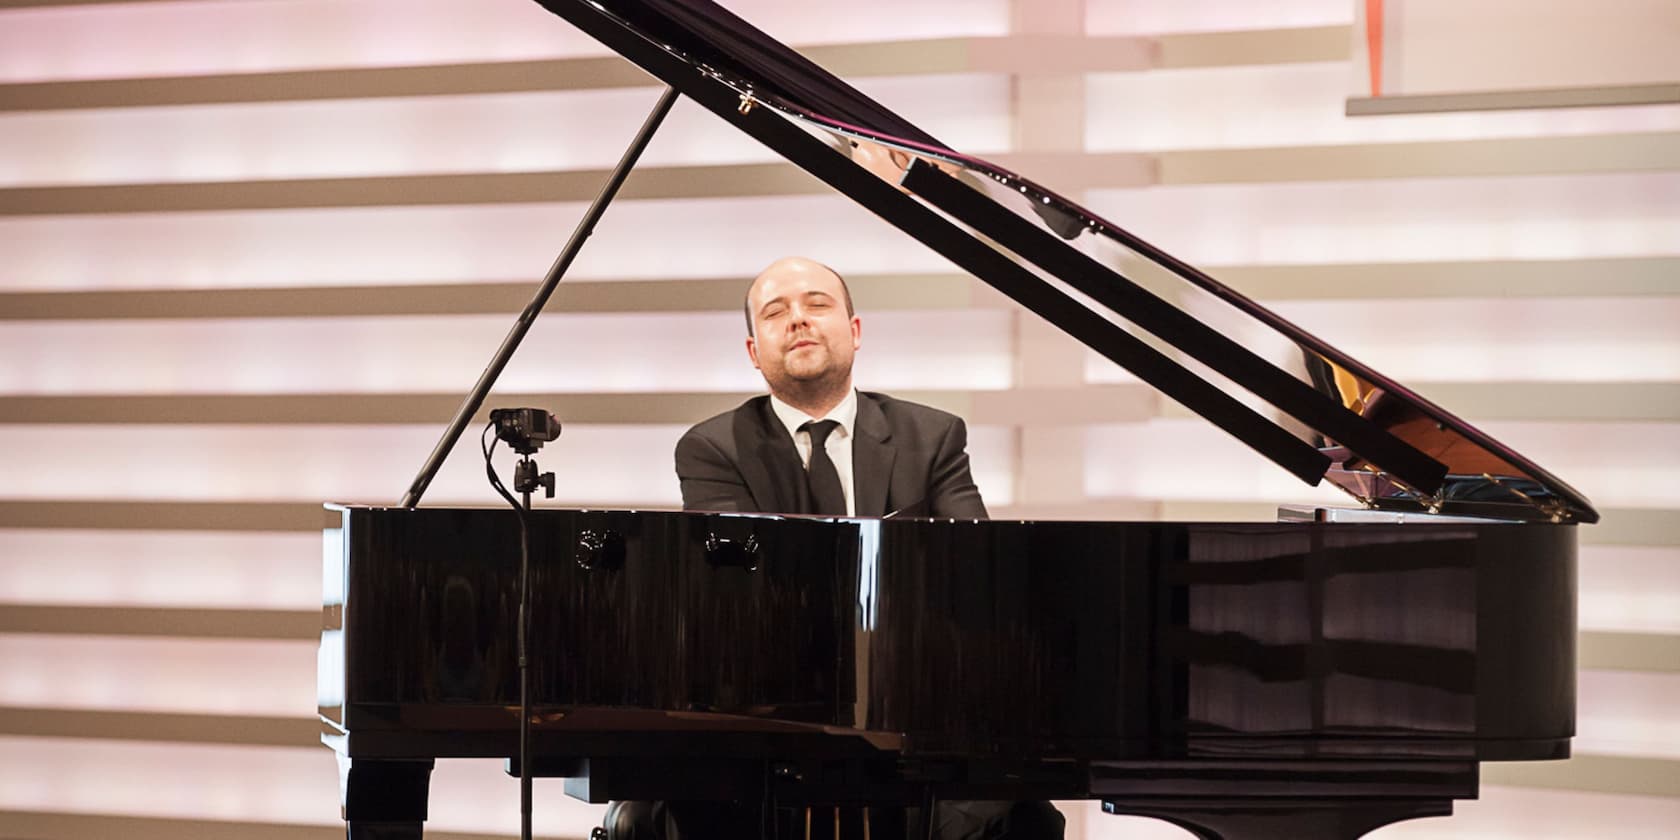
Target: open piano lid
x: 1292, y: 397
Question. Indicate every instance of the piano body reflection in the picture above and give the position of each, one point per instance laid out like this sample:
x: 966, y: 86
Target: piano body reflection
x: 1316, y: 677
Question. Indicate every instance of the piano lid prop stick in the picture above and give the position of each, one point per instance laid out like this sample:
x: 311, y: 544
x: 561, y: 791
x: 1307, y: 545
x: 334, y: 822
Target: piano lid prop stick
x: 493, y: 371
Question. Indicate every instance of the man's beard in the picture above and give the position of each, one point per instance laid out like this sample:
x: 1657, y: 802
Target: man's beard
x: 814, y: 381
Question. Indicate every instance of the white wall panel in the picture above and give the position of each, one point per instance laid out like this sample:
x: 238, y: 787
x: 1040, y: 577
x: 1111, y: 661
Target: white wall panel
x: 322, y: 463
x: 1476, y: 339
x: 594, y: 465
x: 1133, y: 17
x: 1541, y: 814
x: 1614, y: 464
x: 1492, y: 339
x: 1629, y: 589
x: 575, y: 352
x: 226, y: 676
x: 1187, y: 460
x: 212, y: 36
x: 273, y: 784
x: 1303, y: 104
x: 1510, y: 46
x: 160, y: 568
x: 636, y: 239
x: 1627, y: 713
x: 509, y: 132
x: 1533, y: 217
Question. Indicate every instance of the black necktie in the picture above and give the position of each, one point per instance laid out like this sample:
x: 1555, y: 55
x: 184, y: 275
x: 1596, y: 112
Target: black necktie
x: 827, y: 496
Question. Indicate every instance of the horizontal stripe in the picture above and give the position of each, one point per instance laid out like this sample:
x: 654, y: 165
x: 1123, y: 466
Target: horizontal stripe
x: 1430, y: 159
x: 1041, y: 406
x: 1549, y: 401
x: 48, y: 825
x: 161, y: 621
x: 1516, y: 279
x: 887, y: 58
x: 1256, y: 46
x: 621, y: 409
x: 1651, y: 652
x: 1571, y: 401
x: 1470, y: 158
x: 1634, y: 526
x: 411, y: 190
x: 31, y: 4
x: 1611, y: 277
x: 1583, y: 97
x: 254, y: 730
x: 1552, y: 401
x: 1597, y: 773
x: 872, y: 292
x: 166, y: 516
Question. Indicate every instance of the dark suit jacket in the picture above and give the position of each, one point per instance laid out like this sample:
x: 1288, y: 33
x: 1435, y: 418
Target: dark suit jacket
x: 905, y: 457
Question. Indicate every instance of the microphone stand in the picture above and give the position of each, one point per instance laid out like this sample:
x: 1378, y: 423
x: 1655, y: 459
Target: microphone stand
x: 526, y: 479
x: 475, y: 399
x: 492, y: 371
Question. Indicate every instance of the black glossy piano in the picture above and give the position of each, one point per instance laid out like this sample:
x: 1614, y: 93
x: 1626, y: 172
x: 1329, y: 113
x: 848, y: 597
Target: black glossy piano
x: 1315, y: 677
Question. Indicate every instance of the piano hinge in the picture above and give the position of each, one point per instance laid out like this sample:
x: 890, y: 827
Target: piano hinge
x: 1553, y: 509
x: 1432, y: 504
x: 747, y: 104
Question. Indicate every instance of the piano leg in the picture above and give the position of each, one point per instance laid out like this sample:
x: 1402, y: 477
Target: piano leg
x: 383, y: 799
x: 1239, y: 820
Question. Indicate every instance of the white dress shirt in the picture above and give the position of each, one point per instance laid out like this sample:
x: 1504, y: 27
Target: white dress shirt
x: 839, y: 443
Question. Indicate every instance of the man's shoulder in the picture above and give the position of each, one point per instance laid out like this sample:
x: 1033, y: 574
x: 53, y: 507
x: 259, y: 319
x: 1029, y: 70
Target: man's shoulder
x: 722, y: 426
x: 899, y: 412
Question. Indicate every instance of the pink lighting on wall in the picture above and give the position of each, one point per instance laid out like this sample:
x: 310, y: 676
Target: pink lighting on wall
x: 596, y: 465
x: 159, y: 568
x: 1130, y: 17
x: 158, y: 674
x: 1404, y: 220
x: 1302, y: 105
x: 189, y: 37
x: 507, y: 132
x: 616, y: 353
x: 1485, y: 339
x: 291, y: 786
x: 258, y: 248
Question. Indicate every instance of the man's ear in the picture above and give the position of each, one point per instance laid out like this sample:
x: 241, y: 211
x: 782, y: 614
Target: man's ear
x: 752, y: 352
x: 857, y: 332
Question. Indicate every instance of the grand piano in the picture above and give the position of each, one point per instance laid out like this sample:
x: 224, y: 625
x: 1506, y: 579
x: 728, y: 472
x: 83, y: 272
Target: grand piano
x: 1315, y: 677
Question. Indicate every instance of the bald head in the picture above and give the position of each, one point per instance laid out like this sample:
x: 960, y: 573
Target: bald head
x: 793, y: 268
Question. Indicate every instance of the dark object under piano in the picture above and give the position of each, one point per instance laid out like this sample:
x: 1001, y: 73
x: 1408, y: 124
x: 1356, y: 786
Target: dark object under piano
x: 1304, y: 679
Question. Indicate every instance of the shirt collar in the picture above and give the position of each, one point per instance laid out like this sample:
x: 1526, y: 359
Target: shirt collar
x: 845, y: 414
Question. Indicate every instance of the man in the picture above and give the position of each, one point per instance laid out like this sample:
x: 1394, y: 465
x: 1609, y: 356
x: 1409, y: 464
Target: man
x: 816, y: 445
x: 889, y: 456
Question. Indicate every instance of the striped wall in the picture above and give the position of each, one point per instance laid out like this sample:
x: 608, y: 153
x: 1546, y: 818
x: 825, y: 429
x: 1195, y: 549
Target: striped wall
x: 254, y: 250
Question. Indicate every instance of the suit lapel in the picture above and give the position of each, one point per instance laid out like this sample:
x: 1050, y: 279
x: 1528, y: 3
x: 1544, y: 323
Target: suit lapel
x: 872, y: 458
x: 772, y: 464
